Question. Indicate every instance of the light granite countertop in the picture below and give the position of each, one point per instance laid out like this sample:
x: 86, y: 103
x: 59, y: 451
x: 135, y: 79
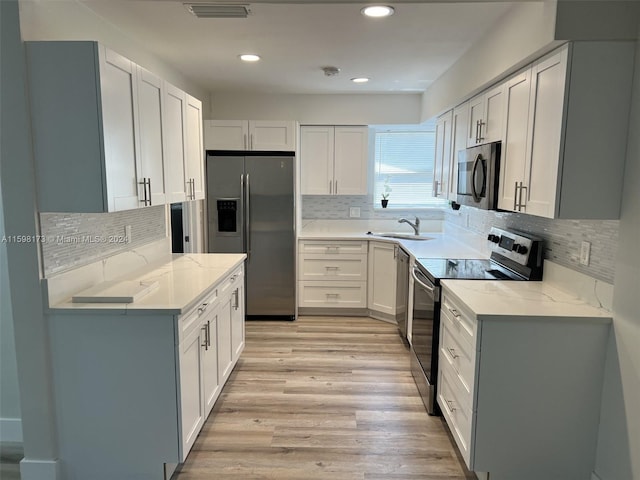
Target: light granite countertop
x: 181, y: 280
x: 492, y: 299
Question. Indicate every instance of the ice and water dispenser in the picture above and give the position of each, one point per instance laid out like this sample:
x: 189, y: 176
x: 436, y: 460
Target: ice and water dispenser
x: 228, y: 216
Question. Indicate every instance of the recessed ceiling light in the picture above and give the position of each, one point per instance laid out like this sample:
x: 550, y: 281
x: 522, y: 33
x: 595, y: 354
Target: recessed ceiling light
x: 360, y: 80
x: 377, y: 11
x: 249, y: 57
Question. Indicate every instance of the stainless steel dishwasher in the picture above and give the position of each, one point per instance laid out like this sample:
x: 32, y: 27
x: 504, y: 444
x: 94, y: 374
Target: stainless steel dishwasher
x: 402, y: 292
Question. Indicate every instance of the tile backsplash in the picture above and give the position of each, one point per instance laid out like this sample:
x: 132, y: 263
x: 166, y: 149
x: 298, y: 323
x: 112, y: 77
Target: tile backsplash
x: 336, y: 207
x: 562, y: 238
x: 75, y: 239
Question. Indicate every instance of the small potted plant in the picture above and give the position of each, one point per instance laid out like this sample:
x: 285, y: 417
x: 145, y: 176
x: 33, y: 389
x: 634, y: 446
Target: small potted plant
x: 386, y: 190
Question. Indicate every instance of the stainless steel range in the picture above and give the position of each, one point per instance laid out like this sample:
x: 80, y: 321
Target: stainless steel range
x: 514, y: 256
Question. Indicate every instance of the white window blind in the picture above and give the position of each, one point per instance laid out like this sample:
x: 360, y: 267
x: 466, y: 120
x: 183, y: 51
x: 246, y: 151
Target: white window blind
x: 404, y: 160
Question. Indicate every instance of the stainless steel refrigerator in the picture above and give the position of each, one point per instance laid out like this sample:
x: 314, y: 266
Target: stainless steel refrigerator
x: 251, y: 209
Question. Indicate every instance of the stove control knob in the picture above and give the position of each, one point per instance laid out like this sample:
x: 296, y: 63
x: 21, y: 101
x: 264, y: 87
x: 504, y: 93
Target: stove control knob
x: 521, y: 249
x: 493, y: 238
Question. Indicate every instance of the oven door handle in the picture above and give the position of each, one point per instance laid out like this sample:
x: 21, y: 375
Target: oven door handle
x: 415, y: 277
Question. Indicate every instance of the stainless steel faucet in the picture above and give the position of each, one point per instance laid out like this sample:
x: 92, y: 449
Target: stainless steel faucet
x: 415, y: 226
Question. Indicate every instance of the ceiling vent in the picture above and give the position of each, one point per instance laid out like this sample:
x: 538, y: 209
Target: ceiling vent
x: 215, y: 10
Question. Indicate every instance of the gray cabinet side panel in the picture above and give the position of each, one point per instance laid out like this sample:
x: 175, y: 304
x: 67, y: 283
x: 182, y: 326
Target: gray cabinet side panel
x: 596, y: 129
x: 67, y: 126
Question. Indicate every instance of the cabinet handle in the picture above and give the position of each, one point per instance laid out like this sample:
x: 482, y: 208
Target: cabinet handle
x: 333, y: 249
x: 144, y: 190
x: 449, y: 406
x: 480, y: 124
x: 477, y: 131
x: 522, y: 205
x: 454, y: 312
x: 149, y: 183
x: 435, y: 188
x: 336, y: 187
x: 515, y: 198
x: 452, y: 352
x: 209, y: 332
x: 236, y: 294
x: 328, y: 267
x: 330, y: 187
x: 206, y: 337
x: 333, y: 295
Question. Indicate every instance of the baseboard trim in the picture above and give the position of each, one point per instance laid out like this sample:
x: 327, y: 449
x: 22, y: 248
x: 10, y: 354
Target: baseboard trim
x: 39, y: 469
x: 11, y: 430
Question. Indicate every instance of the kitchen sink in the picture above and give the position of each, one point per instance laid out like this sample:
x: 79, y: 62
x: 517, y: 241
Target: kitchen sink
x: 402, y: 236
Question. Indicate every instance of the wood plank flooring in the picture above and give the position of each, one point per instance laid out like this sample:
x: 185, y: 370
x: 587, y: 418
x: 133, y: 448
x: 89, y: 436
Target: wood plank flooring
x: 323, y: 398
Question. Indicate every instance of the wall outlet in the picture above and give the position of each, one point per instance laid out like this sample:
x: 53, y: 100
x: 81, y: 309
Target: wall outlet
x: 585, y: 253
x: 354, y: 212
x: 127, y: 233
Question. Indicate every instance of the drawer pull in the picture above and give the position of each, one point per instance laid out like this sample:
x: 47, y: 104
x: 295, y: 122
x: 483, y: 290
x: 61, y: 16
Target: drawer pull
x: 333, y: 295
x: 452, y: 352
x: 206, y: 337
x: 450, y: 406
x: 454, y: 312
x: 333, y: 249
x: 202, y: 308
x: 332, y: 268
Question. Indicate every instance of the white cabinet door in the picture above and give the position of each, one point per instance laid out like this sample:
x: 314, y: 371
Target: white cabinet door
x: 485, y: 117
x: 226, y: 135
x: 316, y: 159
x: 210, y: 383
x: 350, y: 167
x: 459, y: 142
x: 194, y: 156
x: 442, y: 161
x: 514, y: 146
x: 119, y: 97
x: 237, y: 318
x: 476, y: 115
x: 382, y: 277
x: 225, y: 354
x: 151, y: 152
x: 545, y: 126
x: 173, y: 134
x: 270, y: 135
x: 191, y: 392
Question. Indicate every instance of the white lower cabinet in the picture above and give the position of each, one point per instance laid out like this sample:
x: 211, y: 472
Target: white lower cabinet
x: 332, y: 274
x: 145, y: 381
x: 521, y: 395
x: 382, y: 279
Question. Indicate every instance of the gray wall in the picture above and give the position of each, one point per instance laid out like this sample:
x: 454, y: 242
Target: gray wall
x: 9, y: 397
x: 619, y: 440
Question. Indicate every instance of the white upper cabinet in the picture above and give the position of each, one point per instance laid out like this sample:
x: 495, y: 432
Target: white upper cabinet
x: 316, y: 157
x: 257, y: 135
x: 565, y: 122
x: 108, y: 135
x: 333, y: 160
x: 458, y: 142
x: 485, y: 117
x: 194, y: 156
x: 84, y: 118
x: 174, y: 136
x: 443, y: 159
x: 151, y: 176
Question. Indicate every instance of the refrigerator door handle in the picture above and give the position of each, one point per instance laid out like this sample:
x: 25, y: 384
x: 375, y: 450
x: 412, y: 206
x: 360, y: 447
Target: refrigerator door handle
x: 242, y: 213
x: 247, y: 219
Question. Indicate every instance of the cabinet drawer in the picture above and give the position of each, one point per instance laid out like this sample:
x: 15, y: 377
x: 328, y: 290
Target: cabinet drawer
x: 340, y: 267
x: 230, y: 281
x: 333, y: 294
x: 192, y: 320
x: 458, y: 354
x: 464, y: 323
x: 458, y: 416
x: 333, y: 248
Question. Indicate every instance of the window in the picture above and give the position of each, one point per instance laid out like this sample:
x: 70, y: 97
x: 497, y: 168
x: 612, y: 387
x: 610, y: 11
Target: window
x: 404, y: 158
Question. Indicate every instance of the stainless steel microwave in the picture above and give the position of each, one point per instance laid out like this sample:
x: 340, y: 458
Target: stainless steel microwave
x: 478, y: 176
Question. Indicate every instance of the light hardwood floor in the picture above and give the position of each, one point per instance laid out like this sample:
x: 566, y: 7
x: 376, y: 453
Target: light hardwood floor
x: 323, y: 398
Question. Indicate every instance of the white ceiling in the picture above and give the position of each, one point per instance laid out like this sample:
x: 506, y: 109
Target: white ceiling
x: 402, y: 53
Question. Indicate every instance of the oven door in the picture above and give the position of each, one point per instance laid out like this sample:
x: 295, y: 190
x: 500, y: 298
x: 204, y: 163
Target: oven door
x: 425, y: 333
